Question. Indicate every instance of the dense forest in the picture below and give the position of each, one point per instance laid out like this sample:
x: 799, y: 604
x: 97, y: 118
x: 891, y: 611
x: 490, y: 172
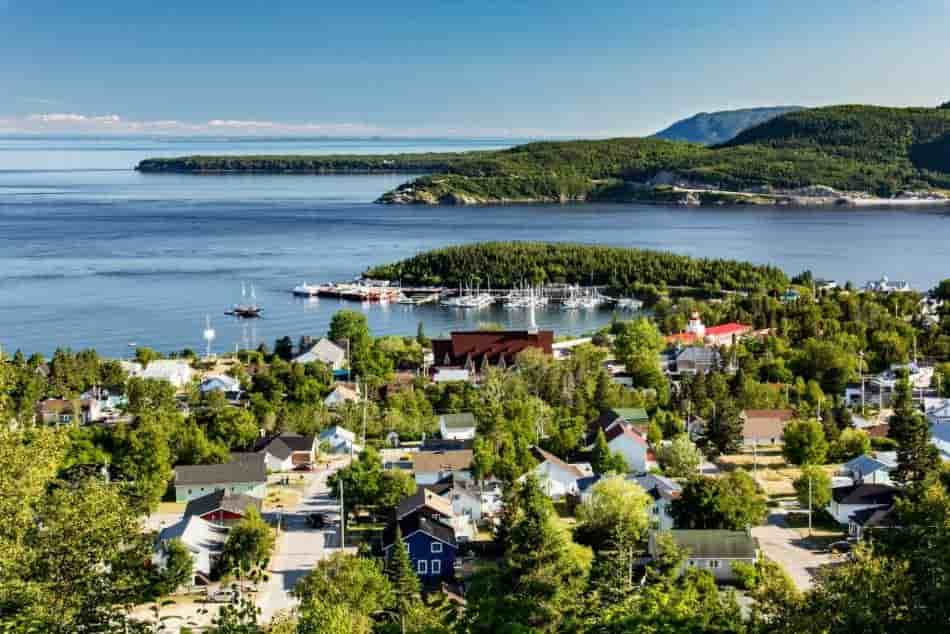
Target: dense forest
x: 508, y: 264
x: 852, y: 148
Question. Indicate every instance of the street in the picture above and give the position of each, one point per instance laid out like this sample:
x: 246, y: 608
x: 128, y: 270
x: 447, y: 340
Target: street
x: 299, y: 547
x: 784, y: 546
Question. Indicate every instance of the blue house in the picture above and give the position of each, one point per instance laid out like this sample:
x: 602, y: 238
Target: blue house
x: 431, y: 544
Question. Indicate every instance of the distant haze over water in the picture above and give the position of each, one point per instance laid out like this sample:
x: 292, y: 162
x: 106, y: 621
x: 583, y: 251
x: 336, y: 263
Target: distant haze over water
x: 93, y: 254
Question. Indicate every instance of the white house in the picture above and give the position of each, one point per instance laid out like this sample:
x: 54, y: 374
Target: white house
x: 245, y: 473
x: 712, y: 550
x: 846, y: 501
x: 457, y: 426
x: 451, y: 375
x: 870, y: 470
x: 632, y: 446
x: 940, y: 438
x: 340, y: 440
x: 324, y: 351
x: 175, y: 371
x: 286, y: 451
x: 341, y: 394
x: 227, y: 385
x: 663, y: 491
x: 203, y: 540
x: 556, y: 477
x: 939, y: 414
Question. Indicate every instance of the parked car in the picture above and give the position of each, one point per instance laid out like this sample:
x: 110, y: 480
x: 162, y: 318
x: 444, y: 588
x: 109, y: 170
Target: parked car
x: 317, y: 520
x: 224, y: 595
x: 842, y: 547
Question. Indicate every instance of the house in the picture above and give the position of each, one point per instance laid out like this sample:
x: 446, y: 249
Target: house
x: 697, y: 333
x: 203, y: 540
x: 862, y: 522
x: 713, y: 550
x: 556, y: 477
x: 764, y: 426
x: 885, y: 285
x: 564, y: 349
x: 457, y: 426
x: 474, y: 349
x: 324, y: 351
x: 696, y: 359
x: 467, y: 501
x: 286, y: 451
x: 245, y: 473
x: 451, y: 375
x: 340, y: 441
x: 869, y: 470
x: 228, y: 385
x: 848, y: 500
x: 175, y: 371
x: 663, y: 491
x: 341, y: 394
x: 60, y: 411
x: 632, y: 416
x: 940, y: 438
x: 427, y: 502
x: 222, y: 508
x: 431, y: 544
x: 939, y: 414
x: 622, y: 439
x: 431, y: 467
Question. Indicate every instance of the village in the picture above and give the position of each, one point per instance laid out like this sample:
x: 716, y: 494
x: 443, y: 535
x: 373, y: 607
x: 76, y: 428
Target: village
x: 418, y: 459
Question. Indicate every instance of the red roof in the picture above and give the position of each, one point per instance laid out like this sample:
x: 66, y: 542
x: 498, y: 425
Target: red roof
x: 624, y: 430
x: 732, y: 328
x: 494, y: 345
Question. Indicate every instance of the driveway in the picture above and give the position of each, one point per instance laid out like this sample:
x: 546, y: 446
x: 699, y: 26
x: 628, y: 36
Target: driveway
x: 299, y: 547
x: 785, y: 546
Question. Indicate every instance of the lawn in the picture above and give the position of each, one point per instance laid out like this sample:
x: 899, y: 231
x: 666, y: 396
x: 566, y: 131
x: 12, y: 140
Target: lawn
x: 825, y: 529
x: 773, y: 473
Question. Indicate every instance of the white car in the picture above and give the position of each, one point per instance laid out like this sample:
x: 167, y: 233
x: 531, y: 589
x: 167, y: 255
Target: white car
x: 224, y: 595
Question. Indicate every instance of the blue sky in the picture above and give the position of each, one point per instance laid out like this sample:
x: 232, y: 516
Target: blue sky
x: 518, y: 68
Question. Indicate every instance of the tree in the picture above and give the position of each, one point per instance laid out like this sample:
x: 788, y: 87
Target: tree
x: 804, y: 442
x: 421, y: 338
x: 851, y: 444
x: 723, y: 431
x: 680, y: 458
x: 284, y: 348
x: 731, y: 502
x: 402, y: 578
x: 145, y: 355
x: 618, y: 510
x: 820, y: 487
x: 352, y: 327
x: 916, y: 456
x: 249, y: 545
x: 602, y: 460
x: 177, y: 568
x: 143, y: 458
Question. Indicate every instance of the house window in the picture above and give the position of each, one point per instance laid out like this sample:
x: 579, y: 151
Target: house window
x: 437, y: 547
x: 714, y: 563
x: 436, y: 567
x: 421, y: 566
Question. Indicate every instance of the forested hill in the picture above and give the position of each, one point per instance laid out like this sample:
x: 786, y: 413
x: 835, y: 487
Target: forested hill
x: 509, y: 264
x: 712, y: 128
x: 880, y: 151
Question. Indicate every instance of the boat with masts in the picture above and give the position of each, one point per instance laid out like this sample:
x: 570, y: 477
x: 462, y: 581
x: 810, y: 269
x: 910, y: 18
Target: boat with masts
x: 248, y: 308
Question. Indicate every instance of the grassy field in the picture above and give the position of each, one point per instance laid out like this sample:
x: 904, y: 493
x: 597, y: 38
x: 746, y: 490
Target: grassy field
x: 772, y: 472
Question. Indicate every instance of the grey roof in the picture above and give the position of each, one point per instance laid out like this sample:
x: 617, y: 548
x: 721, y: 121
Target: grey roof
x: 220, y: 500
x: 698, y: 355
x: 284, y: 445
x: 658, y: 486
x: 458, y: 421
x: 243, y: 467
x: 587, y: 482
x: 424, y: 497
x: 864, y: 465
x: 203, y: 539
x: 716, y: 543
x: 324, y: 351
x: 420, y: 522
x: 865, y: 495
x: 869, y: 518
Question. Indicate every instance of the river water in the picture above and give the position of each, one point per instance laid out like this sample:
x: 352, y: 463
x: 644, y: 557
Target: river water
x: 94, y: 254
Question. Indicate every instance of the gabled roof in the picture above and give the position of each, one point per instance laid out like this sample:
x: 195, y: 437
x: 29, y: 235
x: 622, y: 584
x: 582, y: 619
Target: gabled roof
x: 631, y: 415
x: 492, y: 344
x: 243, y: 467
x: 658, y: 486
x: 461, y: 420
x: 714, y: 544
x: 543, y: 456
x: 434, y: 461
x: 765, y: 423
x: 587, y: 482
x: 228, y: 383
x: 284, y: 445
x: 337, y: 432
x: 343, y: 392
x: 732, y: 328
x: 416, y: 522
x: 865, y: 495
x: 872, y: 517
x: 221, y: 500
x: 200, y: 537
x: 698, y: 355
x: 624, y: 430
x: 324, y: 351
x: 424, y: 498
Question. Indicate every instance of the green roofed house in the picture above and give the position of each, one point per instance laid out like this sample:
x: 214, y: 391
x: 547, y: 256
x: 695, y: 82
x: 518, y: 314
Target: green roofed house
x: 712, y: 550
x: 635, y: 417
x: 457, y: 426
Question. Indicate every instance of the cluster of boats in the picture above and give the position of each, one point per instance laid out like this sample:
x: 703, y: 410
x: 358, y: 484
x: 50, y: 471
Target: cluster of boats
x: 360, y: 291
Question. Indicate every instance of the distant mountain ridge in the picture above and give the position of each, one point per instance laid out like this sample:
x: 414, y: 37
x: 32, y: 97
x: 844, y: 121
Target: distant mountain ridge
x: 713, y: 128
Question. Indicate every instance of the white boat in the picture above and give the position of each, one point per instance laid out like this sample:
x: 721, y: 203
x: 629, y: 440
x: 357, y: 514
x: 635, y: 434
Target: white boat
x: 629, y: 303
x: 306, y: 290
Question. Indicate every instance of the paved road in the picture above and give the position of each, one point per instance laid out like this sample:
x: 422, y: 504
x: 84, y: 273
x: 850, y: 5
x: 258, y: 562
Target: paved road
x: 299, y: 547
x: 785, y: 546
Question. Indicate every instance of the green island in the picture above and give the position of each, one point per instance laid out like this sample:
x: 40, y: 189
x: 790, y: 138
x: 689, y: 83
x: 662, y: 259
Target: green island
x: 848, y: 154
x: 624, y: 270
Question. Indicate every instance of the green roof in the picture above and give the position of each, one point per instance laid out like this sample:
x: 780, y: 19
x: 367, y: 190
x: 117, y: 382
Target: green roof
x: 461, y: 420
x: 716, y: 543
x: 632, y: 414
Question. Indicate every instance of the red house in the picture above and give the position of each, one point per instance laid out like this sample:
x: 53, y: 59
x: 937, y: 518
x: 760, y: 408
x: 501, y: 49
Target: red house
x: 475, y: 349
x: 221, y: 508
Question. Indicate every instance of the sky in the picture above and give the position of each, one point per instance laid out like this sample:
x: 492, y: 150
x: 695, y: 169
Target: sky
x: 520, y: 68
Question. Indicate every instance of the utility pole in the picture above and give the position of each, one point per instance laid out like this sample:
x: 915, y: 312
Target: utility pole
x: 809, y: 505
x: 861, y: 370
x: 342, y: 518
x: 365, y: 394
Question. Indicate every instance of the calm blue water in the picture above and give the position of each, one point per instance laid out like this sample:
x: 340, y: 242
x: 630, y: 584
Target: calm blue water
x: 93, y: 254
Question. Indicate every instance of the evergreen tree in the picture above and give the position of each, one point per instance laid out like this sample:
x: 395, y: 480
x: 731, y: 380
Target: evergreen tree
x: 723, y: 433
x: 402, y: 577
x: 916, y: 457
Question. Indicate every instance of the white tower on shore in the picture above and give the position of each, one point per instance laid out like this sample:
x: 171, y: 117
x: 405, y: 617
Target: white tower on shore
x: 208, y: 335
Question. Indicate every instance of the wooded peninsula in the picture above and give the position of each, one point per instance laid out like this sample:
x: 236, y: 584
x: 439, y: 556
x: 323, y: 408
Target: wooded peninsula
x: 838, y: 154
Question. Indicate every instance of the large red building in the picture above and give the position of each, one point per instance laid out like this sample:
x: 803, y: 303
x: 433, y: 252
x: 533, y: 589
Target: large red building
x: 474, y: 349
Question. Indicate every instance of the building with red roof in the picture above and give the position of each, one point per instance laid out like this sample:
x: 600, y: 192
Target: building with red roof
x: 697, y: 333
x: 475, y: 349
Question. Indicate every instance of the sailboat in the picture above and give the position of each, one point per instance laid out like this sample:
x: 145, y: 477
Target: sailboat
x: 248, y: 308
